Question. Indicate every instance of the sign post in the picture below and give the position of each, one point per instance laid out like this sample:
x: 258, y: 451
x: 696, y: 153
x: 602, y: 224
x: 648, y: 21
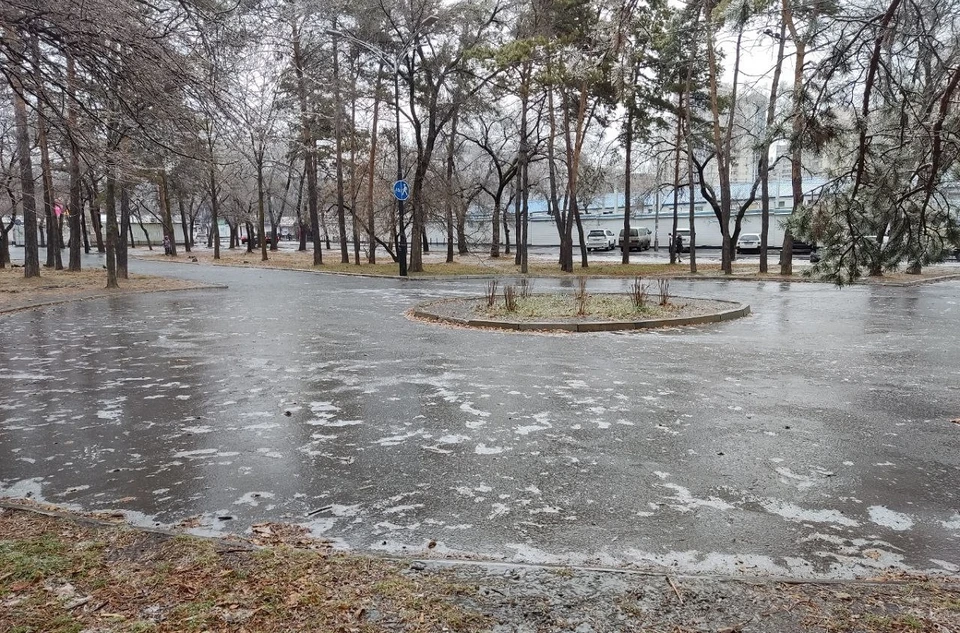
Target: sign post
x: 401, y: 191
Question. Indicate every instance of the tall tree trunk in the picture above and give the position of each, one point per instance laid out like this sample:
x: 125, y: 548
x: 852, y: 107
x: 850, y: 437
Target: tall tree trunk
x: 301, y: 225
x: 674, y: 251
x: 309, y: 148
x: 95, y: 220
x: 184, y: 225
x: 495, y: 238
x: 31, y: 252
x: 451, y: 146
x: 506, y: 229
x: 462, y: 248
x: 338, y: 136
x: 143, y: 229
x: 124, y: 234
x: 76, y: 204
x: 5, y: 244
x: 110, y: 202
x: 46, y: 172
x: 54, y: 259
x: 720, y: 146
x: 559, y: 214
x: 371, y: 170
x: 166, y: 209
x: 523, y: 164
x: 796, y: 144
x: 688, y: 117
x: 83, y: 227
x: 765, y: 152
x: 354, y: 185
x: 627, y: 177
x: 214, y: 233
x: 261, y: 215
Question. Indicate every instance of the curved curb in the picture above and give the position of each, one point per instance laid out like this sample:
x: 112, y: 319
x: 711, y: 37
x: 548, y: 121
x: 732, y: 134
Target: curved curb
x: 736, y: 311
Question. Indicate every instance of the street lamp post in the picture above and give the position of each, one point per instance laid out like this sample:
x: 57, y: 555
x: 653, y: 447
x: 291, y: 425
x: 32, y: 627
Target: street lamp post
x: 395, y: 63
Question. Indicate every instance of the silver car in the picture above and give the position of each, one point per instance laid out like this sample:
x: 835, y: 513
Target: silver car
x: 600, y: 240
x: 748, y: 243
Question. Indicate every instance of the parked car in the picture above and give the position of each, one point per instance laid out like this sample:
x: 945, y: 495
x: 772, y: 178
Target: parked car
x: 748, y: 243
x: 639, y: 239
x: 256, y: 243
x: 600, y: 240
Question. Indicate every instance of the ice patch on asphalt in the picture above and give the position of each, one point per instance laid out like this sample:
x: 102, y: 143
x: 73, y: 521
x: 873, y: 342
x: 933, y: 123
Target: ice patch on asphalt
x: 888, y: 518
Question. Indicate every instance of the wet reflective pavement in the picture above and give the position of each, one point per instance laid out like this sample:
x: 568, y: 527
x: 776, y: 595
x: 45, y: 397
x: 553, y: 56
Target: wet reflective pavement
x: 812, y: 438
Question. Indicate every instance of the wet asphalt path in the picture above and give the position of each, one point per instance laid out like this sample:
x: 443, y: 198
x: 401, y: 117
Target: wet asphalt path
x: 809, y: 439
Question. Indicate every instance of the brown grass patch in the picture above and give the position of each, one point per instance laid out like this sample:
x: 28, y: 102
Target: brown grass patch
x: 62, y: 576
x: 54, y: 286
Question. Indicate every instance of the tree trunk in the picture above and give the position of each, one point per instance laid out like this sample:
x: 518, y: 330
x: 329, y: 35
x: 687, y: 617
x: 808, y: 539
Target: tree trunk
x: 184, y: 225
x: 125, y: 231
x: 674, y: 251
x: 5, y: 245
x: 765, y: 153
x: 495, y: 239
x: 523, y: 164
x: 371, y: 170
x: 165, y: 210
x: 111, y: 210
x: 83, y: 227
x: 146, y: 233
x: 506, y: 229
x: 462, y: 248
x: 451, y: 146
x: 627, y: 173
x: 796, y: 151
x: 31, y: 252
x: 338, y: 136
x: 214, y: 233
x: 261, y: 216
x: 54, y: 259
x: 721, y: 147
x: 309, y: 148
x: 690, y: 181
x: 76, y: 205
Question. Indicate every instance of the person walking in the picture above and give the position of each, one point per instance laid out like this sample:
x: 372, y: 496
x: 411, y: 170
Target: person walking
x: 678, y: 246
x: 166, y: 244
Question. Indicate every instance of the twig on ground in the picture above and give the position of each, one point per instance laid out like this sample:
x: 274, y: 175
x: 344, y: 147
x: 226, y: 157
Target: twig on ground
x: 675, y: 590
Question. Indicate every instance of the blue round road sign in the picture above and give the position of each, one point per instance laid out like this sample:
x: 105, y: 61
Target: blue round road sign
x: 401, y: 190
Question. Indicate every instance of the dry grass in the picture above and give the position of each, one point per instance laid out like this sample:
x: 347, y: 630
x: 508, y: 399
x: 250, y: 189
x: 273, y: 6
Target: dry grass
x: 63, y: 574
x: 566, y: 306
x: 60, y: 576
x: 53, y: 286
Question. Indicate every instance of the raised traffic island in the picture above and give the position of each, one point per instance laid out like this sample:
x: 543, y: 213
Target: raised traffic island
x: 516, y: 308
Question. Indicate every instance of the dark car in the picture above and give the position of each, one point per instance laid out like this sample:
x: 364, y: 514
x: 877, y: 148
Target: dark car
x: 256, y: 242
x: 802, y: 248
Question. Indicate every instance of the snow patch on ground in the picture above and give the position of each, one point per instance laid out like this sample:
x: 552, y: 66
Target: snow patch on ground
x: 686, y: 502
x: 888, y: 518
x: 796, y: 513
